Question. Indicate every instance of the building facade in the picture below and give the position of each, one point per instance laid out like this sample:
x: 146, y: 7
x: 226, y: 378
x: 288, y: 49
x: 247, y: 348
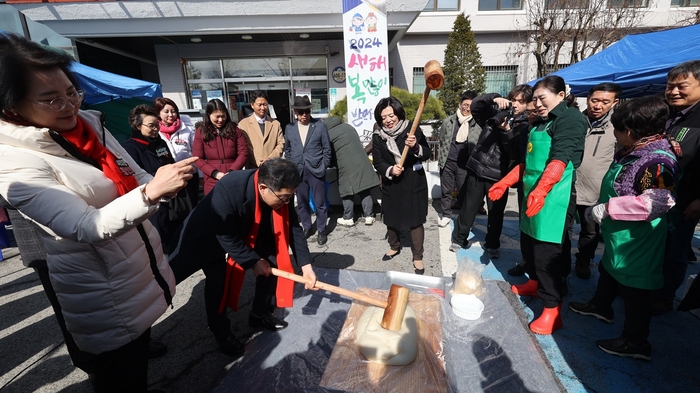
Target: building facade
x: 201, y: 50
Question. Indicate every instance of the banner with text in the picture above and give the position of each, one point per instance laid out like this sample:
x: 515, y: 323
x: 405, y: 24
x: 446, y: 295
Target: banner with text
x: 366, y: 61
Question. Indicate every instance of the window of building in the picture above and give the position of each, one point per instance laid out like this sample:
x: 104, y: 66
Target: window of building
x: 500, y: 79
x: 282, y: 78
x: 685, y: 3
x: 549, y: 68
x: 419, y: 82
x: 566, y: 4
x: 628, y: 3
x: 496, y: 5
x: 442, y: 5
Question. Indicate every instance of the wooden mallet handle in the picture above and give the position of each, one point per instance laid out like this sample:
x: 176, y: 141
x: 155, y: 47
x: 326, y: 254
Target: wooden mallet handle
x: 394, y: 307
x: 331, y: 288
x: 434, y: 79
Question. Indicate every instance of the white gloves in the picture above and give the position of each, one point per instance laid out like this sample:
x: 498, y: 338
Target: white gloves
x: 597, y: 213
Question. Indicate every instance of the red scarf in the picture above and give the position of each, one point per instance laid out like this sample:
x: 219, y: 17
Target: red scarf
x: 116, y: 169
x: 169, y: 130
x: 235, y: 273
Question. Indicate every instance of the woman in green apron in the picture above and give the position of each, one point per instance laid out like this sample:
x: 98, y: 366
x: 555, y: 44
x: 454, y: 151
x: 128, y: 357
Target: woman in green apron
x: 554, y: 150
x: 635, y: 195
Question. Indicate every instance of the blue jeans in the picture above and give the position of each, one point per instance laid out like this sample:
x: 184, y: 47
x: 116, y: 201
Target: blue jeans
x: 681, y: 233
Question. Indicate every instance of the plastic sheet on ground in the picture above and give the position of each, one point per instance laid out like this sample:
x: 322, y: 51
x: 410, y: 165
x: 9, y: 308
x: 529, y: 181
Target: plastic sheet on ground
x: 494, y: 353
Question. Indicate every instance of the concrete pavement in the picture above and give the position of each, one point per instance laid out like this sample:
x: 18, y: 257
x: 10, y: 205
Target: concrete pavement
x: 34, y: 357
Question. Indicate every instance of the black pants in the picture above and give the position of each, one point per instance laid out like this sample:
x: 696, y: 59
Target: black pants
x: 451, y: 176
x: 82, y: 360
x: 551, y: 261
x: 475, y: 189
x: 637, y: 311
x: 191, y: 256
x: 588, y: 237
x: 124, y: 369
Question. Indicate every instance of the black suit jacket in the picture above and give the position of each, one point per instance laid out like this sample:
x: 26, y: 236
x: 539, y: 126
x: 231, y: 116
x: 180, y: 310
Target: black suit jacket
x: 222, y: 220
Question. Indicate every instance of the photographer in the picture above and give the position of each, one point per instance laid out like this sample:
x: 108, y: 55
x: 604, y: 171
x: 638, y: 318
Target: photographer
x: 501, y: 121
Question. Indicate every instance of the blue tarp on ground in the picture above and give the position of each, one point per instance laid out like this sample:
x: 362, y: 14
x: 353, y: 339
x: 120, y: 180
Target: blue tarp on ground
x: 102, y: 86
x: 639, y: 62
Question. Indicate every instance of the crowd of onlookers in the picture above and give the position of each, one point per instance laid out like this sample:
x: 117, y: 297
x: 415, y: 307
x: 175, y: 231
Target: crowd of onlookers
x: 112, y: 228
x: 626, y: 170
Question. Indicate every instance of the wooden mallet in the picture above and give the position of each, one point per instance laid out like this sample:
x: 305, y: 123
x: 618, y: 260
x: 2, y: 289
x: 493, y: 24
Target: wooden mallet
x: 434, y: 79
x: 394, y: 307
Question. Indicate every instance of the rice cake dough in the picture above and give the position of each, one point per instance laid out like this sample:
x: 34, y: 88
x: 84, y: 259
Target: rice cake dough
x: 391, y: 347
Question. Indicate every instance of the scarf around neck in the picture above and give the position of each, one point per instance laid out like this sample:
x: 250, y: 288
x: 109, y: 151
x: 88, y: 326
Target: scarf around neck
x: 390, y: 135
x: 116, y: 169
x: 168, y: 131
x: 463, y: 131
x: 235, y: 273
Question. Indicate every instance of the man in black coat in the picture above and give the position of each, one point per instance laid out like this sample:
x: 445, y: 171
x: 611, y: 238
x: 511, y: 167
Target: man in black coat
x: 683, y: 95
x: 306, y: 144
x: 239, y: 218
x: 491, y: 159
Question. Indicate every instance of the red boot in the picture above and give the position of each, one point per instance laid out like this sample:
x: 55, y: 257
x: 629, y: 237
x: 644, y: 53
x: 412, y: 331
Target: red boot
x: 549, y: 321
x: 527, y: 289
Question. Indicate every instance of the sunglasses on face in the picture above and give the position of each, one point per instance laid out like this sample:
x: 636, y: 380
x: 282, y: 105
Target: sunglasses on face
x: 303, y: 111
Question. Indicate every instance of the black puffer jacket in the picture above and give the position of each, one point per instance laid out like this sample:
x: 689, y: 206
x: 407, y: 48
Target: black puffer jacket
x: 492, y: 156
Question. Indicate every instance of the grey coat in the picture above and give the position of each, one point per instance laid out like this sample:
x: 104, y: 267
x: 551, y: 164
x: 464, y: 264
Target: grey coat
x: 355, y: 172
x: 446, y: 135
x: 598, y: 153
x: 314, y: 154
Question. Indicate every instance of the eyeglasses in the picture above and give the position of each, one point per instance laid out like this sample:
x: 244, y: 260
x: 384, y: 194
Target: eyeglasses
x: 154, y: 127
x: 283, y: 198
x: 59, y: 103
x: 303, y: 111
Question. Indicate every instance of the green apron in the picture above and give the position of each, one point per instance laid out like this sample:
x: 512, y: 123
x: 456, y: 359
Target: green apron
x: 548, y: 224
x: 634, y: 250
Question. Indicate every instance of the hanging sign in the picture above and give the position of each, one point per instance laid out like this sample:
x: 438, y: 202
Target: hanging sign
x: 366, y: 61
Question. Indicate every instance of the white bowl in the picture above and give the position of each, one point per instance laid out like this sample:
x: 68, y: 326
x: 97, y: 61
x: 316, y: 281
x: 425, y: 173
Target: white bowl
x: 467, y: 306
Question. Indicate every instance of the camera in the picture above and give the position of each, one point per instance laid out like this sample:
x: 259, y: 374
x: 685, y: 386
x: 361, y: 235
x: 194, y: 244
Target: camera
x: 502, y: 116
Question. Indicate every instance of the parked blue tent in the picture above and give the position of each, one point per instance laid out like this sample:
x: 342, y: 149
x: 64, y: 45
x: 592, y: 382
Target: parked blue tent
x: 639, y: 62
x: 114, y: 95
x: 102, y: 86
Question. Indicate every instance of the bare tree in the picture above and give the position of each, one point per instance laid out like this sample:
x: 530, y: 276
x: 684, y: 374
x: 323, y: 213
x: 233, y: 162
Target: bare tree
x: 687, y: 18
x: 568, y: 31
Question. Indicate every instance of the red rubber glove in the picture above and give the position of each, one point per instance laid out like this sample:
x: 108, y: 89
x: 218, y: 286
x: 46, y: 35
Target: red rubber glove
x: 500, y: 187
x: 551, y: 176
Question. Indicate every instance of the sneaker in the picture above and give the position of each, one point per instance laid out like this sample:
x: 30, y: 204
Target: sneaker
x: 455, y: 247
x: 517, y: 270
x: 267, y: 321
x: 443, y: 222
x: 589, y: 309
x: 322, y: 238
x: 346, y: 222
x: 493, y: 253
x: 369, y: 220
x: 621, y: 347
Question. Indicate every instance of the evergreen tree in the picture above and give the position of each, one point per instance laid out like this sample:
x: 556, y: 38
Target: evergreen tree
x: 462, y: 66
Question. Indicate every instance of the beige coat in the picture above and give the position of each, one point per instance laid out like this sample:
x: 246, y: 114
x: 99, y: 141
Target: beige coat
x: 262, y: 147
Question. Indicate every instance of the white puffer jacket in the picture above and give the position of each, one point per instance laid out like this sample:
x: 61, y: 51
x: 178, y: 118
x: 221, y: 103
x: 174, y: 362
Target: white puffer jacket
x: 181, y: 141
x: 98, y: 262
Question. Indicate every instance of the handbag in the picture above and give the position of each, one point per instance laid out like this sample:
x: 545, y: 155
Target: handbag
x: 180, y: 206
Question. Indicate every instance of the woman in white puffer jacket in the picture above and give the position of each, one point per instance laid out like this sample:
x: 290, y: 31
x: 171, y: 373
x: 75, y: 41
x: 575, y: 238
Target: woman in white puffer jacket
x: 63, y: 171
x: 178, y: 133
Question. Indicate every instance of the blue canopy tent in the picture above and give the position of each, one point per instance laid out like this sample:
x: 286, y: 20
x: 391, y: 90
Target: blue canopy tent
x: 102, y: 86
x: 639, y: 62
x: 114, y: 95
